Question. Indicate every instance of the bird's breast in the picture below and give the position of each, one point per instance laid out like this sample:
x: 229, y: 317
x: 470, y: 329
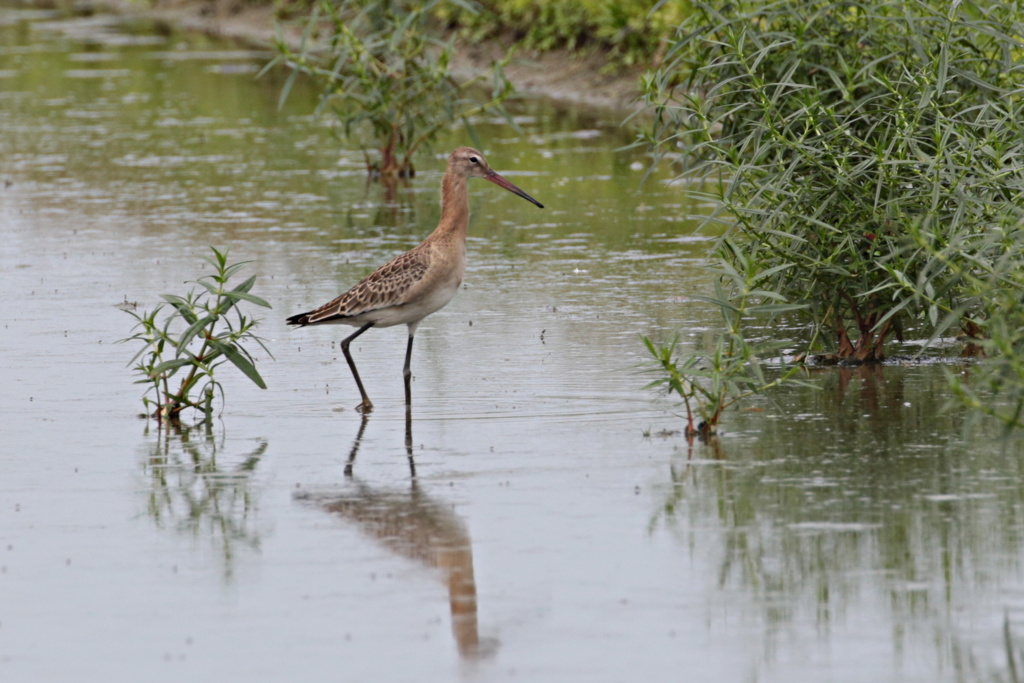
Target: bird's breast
x: 437, y: 287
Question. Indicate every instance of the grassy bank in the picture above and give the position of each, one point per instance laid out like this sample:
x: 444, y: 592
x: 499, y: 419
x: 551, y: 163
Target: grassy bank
x: 627, y: 32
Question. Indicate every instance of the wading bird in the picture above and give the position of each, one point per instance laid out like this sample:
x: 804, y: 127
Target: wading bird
x: 419, y: 282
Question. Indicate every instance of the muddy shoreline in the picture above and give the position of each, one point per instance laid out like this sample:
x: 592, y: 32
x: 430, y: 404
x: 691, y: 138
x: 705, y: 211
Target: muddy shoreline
x: 563, y: 77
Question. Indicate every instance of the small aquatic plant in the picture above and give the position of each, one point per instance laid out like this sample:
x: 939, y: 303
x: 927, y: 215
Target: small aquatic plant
x: 709, y: 382
x: 385, y: 78
x: 182, y: 348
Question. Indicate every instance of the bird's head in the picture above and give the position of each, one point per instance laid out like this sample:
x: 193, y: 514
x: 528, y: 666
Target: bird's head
x: 469, y: 163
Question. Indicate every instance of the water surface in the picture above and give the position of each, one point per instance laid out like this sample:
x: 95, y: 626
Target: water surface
x: 536, y: 520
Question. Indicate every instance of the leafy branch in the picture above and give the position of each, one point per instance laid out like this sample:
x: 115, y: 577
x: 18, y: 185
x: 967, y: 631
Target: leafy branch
x: 211, y: 337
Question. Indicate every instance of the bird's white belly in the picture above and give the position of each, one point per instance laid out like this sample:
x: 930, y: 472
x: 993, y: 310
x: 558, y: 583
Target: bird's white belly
x: 431, y: 301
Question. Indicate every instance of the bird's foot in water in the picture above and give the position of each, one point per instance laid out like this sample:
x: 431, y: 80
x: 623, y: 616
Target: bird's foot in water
x: 365, y: 407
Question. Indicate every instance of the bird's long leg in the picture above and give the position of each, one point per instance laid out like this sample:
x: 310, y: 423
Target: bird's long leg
x: 408, y: 441
x: 407, y: 374
x: 366, y: 406
x: 407, y: 370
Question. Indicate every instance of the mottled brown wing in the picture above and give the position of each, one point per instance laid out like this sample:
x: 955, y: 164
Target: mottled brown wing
x: 384, y: 287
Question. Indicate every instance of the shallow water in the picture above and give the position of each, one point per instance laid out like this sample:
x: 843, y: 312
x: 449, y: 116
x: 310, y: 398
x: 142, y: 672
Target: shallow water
x: 554, y: 529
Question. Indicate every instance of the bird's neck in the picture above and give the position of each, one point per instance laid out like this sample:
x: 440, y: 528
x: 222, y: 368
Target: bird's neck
x: 454, y: 207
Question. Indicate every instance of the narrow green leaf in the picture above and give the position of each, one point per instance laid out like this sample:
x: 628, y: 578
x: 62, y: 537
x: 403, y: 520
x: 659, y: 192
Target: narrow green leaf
x: 720, y: 302
x: 182, y: 306
x: 169, y: 365
x: 194, y: 329
x: 231, y: 352
x: 211, y: 287
x: 230, y: 271
x: 251, y: 298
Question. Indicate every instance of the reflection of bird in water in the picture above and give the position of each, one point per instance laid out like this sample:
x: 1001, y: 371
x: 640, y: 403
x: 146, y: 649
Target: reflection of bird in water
x: 417, y: 283
x: 412, y: 524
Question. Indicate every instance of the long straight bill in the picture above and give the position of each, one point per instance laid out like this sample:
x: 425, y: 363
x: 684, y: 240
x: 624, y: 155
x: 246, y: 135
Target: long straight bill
x: 510, y: 186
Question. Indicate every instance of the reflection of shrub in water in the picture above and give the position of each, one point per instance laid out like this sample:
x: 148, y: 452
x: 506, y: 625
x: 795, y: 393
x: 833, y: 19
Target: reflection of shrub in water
x: 968, y: 667
x: 192, y: 492
x: 869, y: 500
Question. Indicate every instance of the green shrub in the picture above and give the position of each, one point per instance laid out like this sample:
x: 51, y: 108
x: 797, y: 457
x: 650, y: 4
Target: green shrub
x: 195, y: 338
x: 385, y: 78
x: 871, y: 150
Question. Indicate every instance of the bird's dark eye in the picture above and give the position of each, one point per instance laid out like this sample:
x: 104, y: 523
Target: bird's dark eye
x: 473, y: 159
